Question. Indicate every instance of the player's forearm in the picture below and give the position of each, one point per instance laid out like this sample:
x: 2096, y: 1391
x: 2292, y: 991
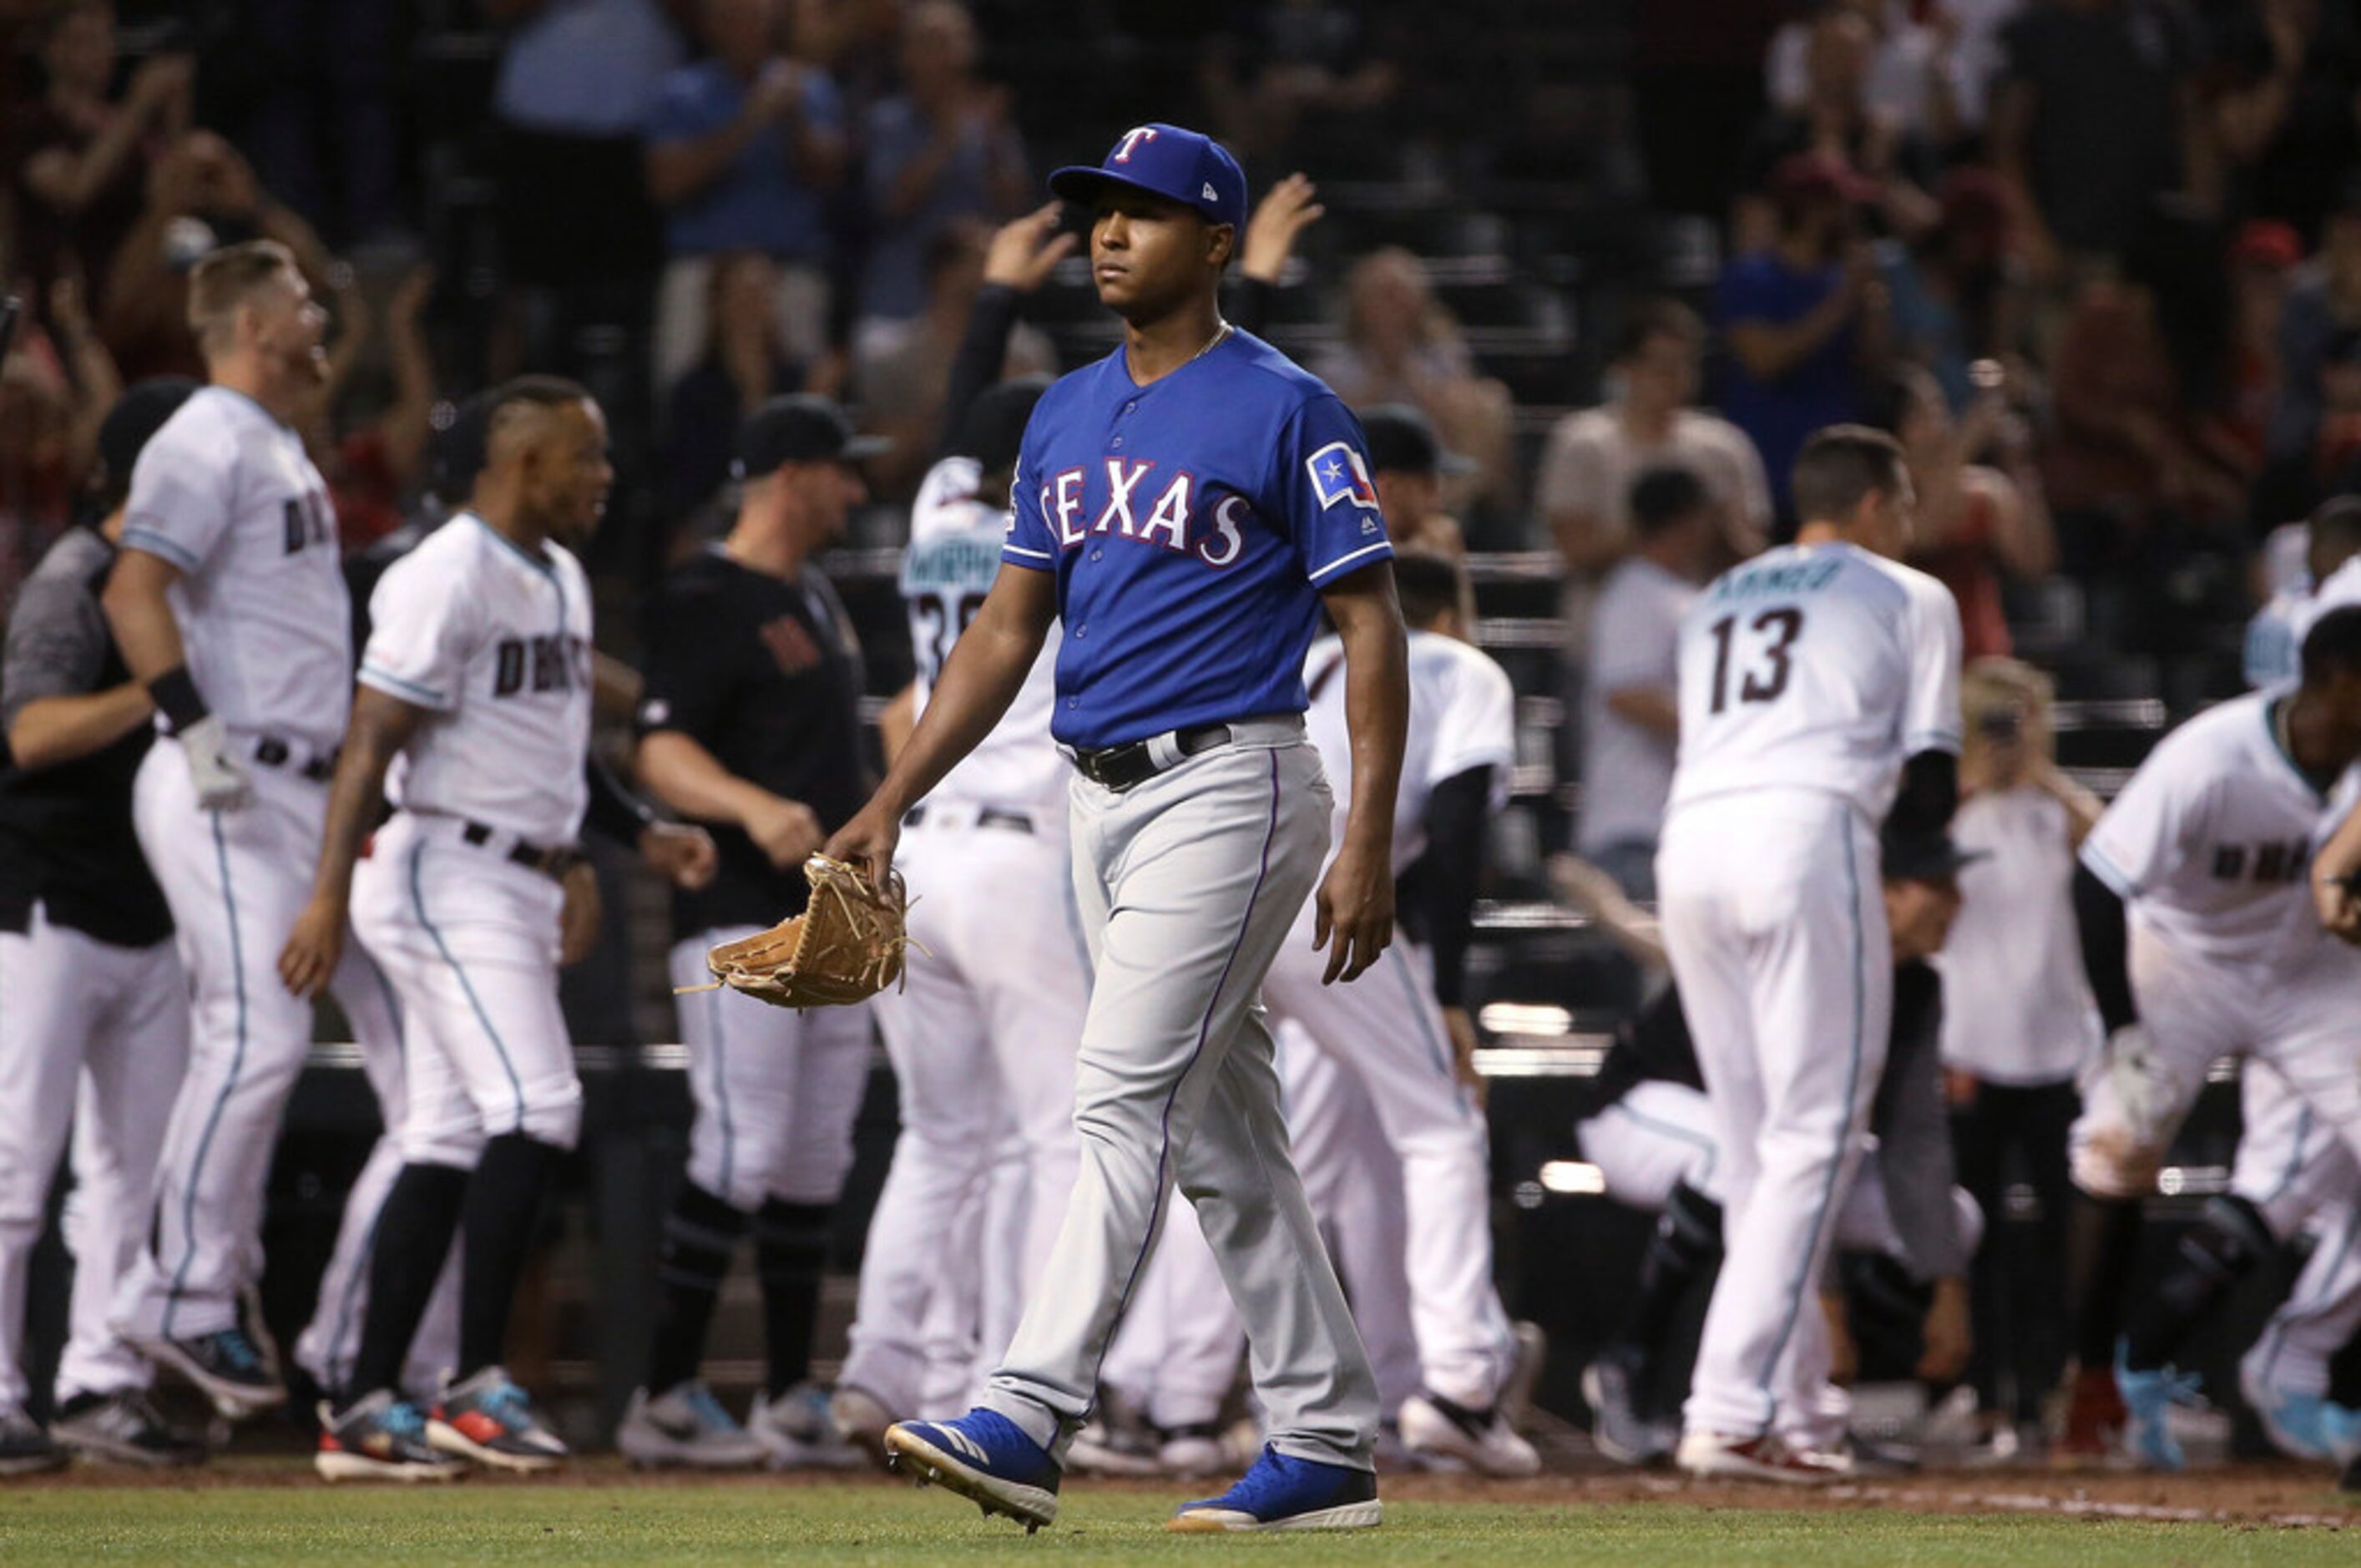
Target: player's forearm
x: 357, y: 795
x: 691, y: 781
x: 50, y: 730
x: 894, y: 725
x: 983, y: 676
x: 2341, y: 856
x: 1377, y: 703
x: 140, y: 616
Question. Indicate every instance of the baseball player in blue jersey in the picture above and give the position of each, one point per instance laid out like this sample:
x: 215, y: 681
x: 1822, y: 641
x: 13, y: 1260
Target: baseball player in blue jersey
x: 1185, y: 505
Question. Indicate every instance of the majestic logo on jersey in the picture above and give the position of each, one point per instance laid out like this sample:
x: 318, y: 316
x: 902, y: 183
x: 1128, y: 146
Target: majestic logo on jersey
x: 1132, y: 138
x: 2265, y: 863
x: 1339, y: 474
x: 1170, y: 514
x: 538, y: 664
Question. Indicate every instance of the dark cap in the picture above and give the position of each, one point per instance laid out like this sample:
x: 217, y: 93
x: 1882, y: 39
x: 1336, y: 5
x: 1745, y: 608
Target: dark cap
x: 1924, y: 857
x: 994, y: 426
x: 456, y: 452
x: 1183, y: 166
x: 798, y: 428
x: 1400, y: 440
x: 137, y: 415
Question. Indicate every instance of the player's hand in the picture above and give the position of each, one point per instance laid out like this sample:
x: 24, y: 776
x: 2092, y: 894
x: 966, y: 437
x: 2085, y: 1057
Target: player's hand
x: 1025, y: 251
x: 2339, y: 904
x: 220, y: 780
x: 1946, y: 1332
x: 577, y: 920
x: 786, y: 830
x: 1462, y: 1028
x: 1352, y: 914
x: 313, y: 947
x: 684, y: 854
x: 867, y: 842
x: 1285, y: 210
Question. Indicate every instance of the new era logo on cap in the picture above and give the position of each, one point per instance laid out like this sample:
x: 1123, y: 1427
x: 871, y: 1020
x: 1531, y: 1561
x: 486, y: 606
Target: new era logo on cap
x: 1210, y: 194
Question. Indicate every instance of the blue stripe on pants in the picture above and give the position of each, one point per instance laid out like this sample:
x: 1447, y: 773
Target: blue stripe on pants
x: 220, y: 1100
x: 418, y: 903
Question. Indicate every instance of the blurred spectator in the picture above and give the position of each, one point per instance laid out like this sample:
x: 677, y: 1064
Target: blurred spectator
x: 1974, y: 54
x: 37, y: 473
x: 2087, y: 124
x: 1402, y: 346
x: 2262, y: 259
x: 2300, y: 480
x: 1593, y: 456
x: 371, y: 464
x: 744, y: 150
x: 81, y: 161
x: 2123, y: 456
x: 744, y: 366
x: 322, y: 128
x: 1408, y: 466
x: 1631, y: 718
x: 1954, y: 298
x: 1298, y: 63
x: 900, y: 387
x: 2286, y: 107
x: 2324, y: 298
x: 202, y: 193
x: 945, y: 150
x: 1906, y: 77
x: 1976, y: 522
x: 1803, y: 319
x: 1832, y: 119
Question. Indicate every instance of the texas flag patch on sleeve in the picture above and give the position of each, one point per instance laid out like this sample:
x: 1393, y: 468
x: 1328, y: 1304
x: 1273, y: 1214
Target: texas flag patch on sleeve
x: 1339, y: 474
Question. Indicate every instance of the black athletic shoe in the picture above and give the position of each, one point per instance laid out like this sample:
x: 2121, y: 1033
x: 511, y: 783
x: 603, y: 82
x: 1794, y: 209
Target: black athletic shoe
x: 228, y: 1367
x: 124, y: 1428
x: 25, y: 1448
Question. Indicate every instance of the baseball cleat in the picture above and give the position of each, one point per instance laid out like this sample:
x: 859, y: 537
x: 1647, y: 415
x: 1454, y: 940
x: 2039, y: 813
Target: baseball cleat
x: 380, y: 1438
x: 686, y: 1426
x: 797, y: 1432
x: 2095, y: 1414
x: 123, y: 1428
x: 1434, y: 1428
x: 1284, y: 1492
x: 490, y: 1419
x: 985, y: 1457
x: 228, y: 1367
x: 1618, y: 1430
x: 2148, y: 1399
x: 860, y: 1418
x: 1719, y: 1456
x: 25, y: 1448
x: 2297, y: 1423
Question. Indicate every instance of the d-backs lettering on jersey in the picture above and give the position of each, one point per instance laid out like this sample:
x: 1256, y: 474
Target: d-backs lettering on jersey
x: 955, y: 554
x: 224, y: 493
x: 1816, y: 666
x: 1191, y: 525
x: 1463, y: 715
x: 2211, y: 841
x: 495, y: 644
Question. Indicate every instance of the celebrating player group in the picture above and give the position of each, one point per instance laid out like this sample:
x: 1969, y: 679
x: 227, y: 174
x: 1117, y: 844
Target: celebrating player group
x: 1153, y: 814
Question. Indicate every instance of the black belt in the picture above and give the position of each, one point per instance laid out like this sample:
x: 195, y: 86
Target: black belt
x: 1120, y: 767
x: 552, y: 861
x: 990, y: 816
x: 273, y: 752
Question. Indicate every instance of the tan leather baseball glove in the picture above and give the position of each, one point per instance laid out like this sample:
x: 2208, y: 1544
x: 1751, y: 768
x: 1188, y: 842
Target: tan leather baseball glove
x: 846, y: 946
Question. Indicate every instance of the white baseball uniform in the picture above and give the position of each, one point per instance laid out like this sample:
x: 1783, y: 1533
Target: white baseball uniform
x: 1388, y: 1030
x: 2274, y: 637
x: 494, y: 643
x: 982, y: 1046
x: 224, y: 493
x: 1807, y: 677
x: 2016, y: 1006
x: 2299, y: 1175
x: 2209, y: 846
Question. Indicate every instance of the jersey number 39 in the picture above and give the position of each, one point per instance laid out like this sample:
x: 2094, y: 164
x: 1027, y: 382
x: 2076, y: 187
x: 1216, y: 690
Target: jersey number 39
x: 1767, y: 679
x: 941, y: 619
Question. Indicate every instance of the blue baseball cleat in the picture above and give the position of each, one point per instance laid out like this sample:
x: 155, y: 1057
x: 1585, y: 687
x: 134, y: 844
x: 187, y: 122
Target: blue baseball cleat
x: 2148, y: 1399
x: 985, y: 1458
x: 2297, y: 1424
x: 1283, y: 1493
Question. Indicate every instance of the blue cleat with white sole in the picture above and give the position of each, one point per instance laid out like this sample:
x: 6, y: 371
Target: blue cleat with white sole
x: 2148, y: 1399
x: 2297, y: 1423
x: 1284, y: 1492
x: 985, y: 1457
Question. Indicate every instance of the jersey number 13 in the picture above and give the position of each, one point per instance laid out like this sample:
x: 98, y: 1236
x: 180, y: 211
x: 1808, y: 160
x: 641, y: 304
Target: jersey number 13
x: 1766, y: 678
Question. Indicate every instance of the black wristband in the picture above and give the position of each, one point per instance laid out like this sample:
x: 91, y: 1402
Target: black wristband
x: 176, y: 697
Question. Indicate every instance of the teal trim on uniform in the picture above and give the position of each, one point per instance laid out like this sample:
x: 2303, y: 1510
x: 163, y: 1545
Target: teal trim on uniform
x: 1669, y: 1129
x: 2096, y: 860
x: 229, y: 1084
x: 2276, y: 1331
x: 418, y: 904
x: 159, y: 544
x: 373, y: 676
x: 1802, y: 1289
x: 1436, y: 1053
x: 2271, y: 728
x: 539, y: 563
x: 2295, y: 1154
x: 721, y: 1091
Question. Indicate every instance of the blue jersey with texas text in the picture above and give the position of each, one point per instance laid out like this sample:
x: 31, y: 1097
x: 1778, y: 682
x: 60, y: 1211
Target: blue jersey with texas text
x: 1191, y: 523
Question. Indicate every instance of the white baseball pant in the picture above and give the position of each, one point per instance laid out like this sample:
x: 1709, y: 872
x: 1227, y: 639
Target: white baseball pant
x: 1175, y: 1356
x: 1776, y: 925
x: 1387, y: 1031
x: 236, y: 881
x: 2296, y: 1172
x: 94, y: 1039
x: 983, y: 1050
x: 1188, y: 883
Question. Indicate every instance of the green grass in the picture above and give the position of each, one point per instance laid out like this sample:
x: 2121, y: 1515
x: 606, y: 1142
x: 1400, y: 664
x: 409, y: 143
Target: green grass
x: 479, y: 1522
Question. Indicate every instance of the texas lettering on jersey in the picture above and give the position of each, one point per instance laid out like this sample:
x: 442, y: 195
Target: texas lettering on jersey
x: 1123, y: 501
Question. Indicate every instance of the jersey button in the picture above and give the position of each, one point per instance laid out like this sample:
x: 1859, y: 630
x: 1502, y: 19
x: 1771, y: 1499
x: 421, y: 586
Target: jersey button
x: 1116, y: 441
x: 1129, y: 407
x: 1098, y: 554
x: 1082, y: 631
x: 1073, y: 702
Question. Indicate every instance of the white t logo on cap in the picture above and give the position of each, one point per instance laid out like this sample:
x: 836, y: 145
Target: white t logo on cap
x: 1132, y: 138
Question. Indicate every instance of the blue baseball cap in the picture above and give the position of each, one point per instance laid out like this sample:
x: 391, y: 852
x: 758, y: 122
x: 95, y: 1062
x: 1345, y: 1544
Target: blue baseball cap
x: 1182, y: 166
